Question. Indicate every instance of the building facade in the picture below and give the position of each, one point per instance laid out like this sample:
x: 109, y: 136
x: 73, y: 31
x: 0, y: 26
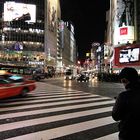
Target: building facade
x: 30, y: 34
x: 22, y: 32
x: 69, y: 49
x: 53, y: 16
x: 123, y: 34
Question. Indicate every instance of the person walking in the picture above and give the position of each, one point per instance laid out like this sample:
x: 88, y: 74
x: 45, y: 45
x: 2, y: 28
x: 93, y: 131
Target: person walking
x: 126, y: 109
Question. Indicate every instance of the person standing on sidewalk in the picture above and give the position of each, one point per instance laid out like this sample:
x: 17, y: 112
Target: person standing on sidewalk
x: 126, y: 109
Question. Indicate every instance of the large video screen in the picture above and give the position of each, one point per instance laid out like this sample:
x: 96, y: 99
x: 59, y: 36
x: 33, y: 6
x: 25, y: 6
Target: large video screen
x: 129, y: 55
x: 19, y: 12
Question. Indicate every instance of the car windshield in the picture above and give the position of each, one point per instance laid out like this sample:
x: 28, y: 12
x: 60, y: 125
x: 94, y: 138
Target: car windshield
x: 68, y: 73
x: 16, y: 78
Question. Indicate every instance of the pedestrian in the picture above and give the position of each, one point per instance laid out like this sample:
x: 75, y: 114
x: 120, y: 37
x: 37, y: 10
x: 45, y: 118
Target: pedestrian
x: 126, y: 109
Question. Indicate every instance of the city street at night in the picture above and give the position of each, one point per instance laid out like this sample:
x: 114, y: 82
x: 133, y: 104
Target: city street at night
x: 69, y: 69
x: 63, y: 110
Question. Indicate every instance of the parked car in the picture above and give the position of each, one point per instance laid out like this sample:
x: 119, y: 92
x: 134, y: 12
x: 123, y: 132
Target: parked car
x: 13, y: 85
x: 82, y: 78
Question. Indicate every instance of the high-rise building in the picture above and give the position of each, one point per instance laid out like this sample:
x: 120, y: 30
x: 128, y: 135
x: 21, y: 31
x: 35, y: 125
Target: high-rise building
x: 28, y: 32
x: 66, y: 50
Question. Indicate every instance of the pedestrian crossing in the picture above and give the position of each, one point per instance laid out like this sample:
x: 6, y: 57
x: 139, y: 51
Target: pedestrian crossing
x: 52, y: 112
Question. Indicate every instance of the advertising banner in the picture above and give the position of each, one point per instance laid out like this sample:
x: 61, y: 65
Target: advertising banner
x: 127, y: 55
x: 51, y: 27
x: 52, y: 15
x: 19, y: 12
x: 124, y: 21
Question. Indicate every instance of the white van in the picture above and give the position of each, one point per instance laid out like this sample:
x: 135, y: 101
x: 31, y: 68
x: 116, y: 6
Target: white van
x: 68, y: 75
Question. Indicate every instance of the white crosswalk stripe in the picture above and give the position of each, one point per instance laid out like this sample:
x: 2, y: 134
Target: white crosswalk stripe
x: 52, y: 112
x: 113, y: 136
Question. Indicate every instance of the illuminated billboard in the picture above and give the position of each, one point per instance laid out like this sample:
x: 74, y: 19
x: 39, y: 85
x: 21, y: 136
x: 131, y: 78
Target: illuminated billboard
x: 19, y: 12
x: 51, y: 26
x: 129, y: 55
x: 123, y: 21
x: 52, y: 15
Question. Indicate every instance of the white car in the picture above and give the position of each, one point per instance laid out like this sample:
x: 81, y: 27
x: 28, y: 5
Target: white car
x: 68, y: 75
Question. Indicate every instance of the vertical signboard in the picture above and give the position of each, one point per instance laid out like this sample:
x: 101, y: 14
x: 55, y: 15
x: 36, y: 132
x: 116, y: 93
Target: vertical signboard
x: 61, y: 29
x: 51, y: 28
x: 52, y: 15
x: 123, y: 21
x: 71, y: 47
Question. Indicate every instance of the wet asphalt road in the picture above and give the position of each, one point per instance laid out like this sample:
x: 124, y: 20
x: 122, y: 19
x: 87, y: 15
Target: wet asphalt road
x: 56, y: 111
x: 108, y: 89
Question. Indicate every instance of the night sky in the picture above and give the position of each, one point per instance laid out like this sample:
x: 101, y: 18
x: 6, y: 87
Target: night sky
x: 88, y: 18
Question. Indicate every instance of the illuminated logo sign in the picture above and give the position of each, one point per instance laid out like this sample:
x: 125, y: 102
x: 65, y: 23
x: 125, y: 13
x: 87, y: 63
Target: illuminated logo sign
x: 124, y: 31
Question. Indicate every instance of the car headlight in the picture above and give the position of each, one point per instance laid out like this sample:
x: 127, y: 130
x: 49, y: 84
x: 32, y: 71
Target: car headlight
x: 70, y: 77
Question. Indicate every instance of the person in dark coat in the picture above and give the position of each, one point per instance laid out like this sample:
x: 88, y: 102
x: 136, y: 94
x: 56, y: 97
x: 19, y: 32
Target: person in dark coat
x: 126, y: 109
